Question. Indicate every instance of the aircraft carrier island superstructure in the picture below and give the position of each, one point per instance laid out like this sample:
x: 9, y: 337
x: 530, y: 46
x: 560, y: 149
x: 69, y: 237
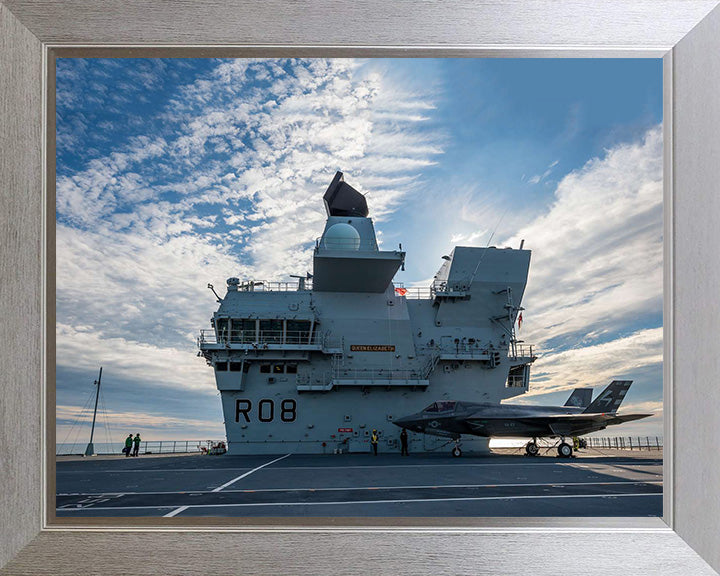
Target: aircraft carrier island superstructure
x: 314, y: 366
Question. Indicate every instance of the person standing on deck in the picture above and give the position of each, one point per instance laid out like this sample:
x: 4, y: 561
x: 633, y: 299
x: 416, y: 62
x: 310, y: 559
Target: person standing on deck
x: 128, y: 445
x: 374, y: 441
x: 136, y: 442
x: 403, y: 443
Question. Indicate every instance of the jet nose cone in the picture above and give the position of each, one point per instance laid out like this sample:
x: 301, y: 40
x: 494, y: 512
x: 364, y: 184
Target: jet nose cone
x: 403, y: 422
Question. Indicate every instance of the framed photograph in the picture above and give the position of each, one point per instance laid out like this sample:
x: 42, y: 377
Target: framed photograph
x: 36, y: 543
x: 490, y: 253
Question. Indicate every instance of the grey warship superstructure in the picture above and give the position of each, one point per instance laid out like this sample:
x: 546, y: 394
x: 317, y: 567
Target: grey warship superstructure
x: 316, y: 365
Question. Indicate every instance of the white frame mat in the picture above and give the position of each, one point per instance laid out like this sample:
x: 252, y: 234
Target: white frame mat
x: 686, y: 33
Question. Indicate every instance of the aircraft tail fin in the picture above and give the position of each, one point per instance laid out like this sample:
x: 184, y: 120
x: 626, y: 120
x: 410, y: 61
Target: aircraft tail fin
x: 609, y: 399
x: 580, y: 398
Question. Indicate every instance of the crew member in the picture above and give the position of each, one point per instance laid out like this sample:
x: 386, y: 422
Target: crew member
x: 136, y: 447
x: 128, y: 445
x: 374, y: 441
x: 403, y: 443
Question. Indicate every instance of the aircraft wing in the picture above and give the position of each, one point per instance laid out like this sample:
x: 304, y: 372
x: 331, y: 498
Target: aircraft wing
x: 563, y: 424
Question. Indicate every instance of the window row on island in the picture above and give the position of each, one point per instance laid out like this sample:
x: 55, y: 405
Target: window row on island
x: 264, y: 331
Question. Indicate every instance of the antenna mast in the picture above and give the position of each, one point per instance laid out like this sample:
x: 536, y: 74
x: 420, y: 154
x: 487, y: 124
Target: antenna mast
x: 90, y: 450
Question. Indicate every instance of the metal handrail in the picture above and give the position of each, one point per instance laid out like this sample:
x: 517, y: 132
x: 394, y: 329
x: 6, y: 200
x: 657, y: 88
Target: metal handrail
x: 625, y: 442
x: 265, y: 286
x: 208, y: 336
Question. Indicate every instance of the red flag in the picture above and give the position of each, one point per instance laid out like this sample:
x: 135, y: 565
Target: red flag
x: 401, y: 291
x: 520, y: 321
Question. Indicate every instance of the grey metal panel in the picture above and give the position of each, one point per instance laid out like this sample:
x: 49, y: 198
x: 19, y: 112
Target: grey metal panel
x: 616, y: 28
x: 363, y: 554
x: 641, y: 23
x: 696, y: 148
x: 20, y: 285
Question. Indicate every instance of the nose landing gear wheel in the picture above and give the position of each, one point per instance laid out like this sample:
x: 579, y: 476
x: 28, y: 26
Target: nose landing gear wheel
x: 456, y: 452
x: 531, y: 448
x: 565, y: 450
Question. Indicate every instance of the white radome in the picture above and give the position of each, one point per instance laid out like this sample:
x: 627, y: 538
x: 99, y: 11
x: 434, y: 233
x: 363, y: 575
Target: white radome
x: 342, y: 236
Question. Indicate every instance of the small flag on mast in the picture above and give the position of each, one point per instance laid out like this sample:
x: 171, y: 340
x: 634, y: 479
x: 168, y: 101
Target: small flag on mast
x: 519, y: 320
x: 401, y: 291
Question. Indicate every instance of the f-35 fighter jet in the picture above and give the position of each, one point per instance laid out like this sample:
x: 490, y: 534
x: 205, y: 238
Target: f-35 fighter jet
x: 453, y: 419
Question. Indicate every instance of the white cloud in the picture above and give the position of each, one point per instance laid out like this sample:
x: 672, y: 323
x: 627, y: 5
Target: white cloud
x: 150, y: 426
x: 252, y: 145
x: 597, y: 252
x: 540, y: 177
x: 596, y: 271
x: 596, y: 365
x: 83, y: 348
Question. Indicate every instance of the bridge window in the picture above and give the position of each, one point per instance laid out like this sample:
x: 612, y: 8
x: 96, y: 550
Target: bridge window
x: 278, y: 369
x: 298, y: 331
x: 264, y: 368
x: 221, y: 366
x: 235, y: 366
x: 291, y: 369
x: 221, y: 325
x: 242, y: 330
x: 271, y: 331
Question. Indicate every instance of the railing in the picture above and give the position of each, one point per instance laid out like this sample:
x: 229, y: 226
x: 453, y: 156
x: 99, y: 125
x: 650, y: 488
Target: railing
x: 208, y: 336
x: 146, y: 447
x: 425, y: 292
x: 625, y: 442
x: 376, y: 374
x: 414, y: 292
x: 176, y: 446
x: 522, y: 350
x: 264, y: 286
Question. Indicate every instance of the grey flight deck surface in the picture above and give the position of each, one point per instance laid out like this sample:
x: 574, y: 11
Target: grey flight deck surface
x: 594, y: 483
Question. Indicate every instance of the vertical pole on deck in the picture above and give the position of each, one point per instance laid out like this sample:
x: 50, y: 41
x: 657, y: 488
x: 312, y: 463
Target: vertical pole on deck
x: 90, y: 450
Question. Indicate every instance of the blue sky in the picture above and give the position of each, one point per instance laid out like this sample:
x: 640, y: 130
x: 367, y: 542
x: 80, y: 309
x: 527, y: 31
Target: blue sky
x: 174, y: 173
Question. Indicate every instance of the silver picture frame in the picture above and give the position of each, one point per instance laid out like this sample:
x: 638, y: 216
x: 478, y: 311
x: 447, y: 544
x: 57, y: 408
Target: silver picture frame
x: 685, y: 33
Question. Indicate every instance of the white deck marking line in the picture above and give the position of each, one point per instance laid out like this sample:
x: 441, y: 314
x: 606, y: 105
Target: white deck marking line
x: 350, y: 503
x: 415, y: 487
x: 175, y: 512
x: 182, y: 508
x: 248, y: 473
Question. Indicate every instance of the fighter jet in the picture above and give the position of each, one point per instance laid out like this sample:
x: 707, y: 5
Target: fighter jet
x: 452, y: 419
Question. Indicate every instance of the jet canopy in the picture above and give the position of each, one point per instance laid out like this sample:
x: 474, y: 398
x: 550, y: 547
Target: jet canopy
x: 437, y: 407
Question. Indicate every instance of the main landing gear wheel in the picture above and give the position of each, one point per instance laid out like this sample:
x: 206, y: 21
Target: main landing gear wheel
x: 565, y: 450
x: 456, y: 452
x: 531, y: 448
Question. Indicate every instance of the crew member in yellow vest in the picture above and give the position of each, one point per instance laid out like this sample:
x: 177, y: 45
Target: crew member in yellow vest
x: 374, y: 441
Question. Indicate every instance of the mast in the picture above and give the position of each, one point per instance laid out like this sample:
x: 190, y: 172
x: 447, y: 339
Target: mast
x: 90, y: 450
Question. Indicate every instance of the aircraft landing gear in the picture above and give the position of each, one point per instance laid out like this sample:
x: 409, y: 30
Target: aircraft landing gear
x: 456, y: 452
x: 564, y: 450
x: 531, y: 448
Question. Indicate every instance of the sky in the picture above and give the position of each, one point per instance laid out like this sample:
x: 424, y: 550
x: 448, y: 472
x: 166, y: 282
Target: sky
x: 176, y: 173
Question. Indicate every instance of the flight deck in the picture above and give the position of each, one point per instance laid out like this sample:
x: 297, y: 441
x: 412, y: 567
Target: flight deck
x: 603, y: 483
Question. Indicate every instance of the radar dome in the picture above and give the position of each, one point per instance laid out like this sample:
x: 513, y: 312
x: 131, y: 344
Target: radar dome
x: 341, y: 236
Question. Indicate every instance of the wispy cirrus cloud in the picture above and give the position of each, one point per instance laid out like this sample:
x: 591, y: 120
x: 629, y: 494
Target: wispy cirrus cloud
x: 230, y: 185
x: 594, y: 295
